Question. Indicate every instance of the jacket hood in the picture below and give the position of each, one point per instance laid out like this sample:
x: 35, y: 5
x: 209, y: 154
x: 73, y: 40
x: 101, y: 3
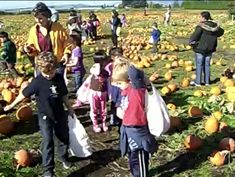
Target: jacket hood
x: 209, y: 26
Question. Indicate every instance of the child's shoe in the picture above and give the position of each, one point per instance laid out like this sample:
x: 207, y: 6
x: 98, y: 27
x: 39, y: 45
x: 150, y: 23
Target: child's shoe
x: 96, y: 129
x: 105, y: 128
x: 77, y: 104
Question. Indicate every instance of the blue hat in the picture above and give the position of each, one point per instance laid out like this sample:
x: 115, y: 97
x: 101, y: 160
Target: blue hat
x: 136, y: 77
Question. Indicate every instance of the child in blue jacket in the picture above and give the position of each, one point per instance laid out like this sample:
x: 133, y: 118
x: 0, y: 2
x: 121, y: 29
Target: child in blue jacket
x: 156, y: 33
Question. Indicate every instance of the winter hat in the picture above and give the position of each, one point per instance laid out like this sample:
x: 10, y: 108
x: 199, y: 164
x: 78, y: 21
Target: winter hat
x: 206, y: 15
x: 42, y: 9
x: 136, y: 77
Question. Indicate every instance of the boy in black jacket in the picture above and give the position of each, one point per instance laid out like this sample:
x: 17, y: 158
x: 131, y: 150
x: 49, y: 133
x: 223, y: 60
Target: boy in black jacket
x: 204, y: 42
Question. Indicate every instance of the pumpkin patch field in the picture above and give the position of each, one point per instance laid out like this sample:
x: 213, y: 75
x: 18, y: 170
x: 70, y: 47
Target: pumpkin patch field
x: 201, y: 139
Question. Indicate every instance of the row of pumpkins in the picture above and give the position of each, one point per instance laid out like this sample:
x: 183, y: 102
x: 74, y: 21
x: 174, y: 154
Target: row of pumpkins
x: 10, y: 88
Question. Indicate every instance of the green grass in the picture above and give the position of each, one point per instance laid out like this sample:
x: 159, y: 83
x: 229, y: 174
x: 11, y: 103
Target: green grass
x: 171, y: 159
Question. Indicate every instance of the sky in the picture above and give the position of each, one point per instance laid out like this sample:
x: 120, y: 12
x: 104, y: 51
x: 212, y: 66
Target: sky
x: 26, y: 4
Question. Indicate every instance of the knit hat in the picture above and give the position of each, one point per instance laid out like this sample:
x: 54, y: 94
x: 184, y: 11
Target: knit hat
x: 42, y: 9
x: 136, y: 77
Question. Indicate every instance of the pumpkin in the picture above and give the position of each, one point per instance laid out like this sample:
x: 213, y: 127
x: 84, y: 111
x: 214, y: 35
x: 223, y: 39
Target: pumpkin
x: 171, y: 106
x: 217, y: 114
x: 165, y: 90
x: 228, y: 83
x: 223, y: 79
x: 227, y: 144
x: 215, y: 91
x: 195, y: 111
x: 185, y: 82
x: 189, y: 68
x: 8, y: 96
x: 217, y: 158
x: 192, y: 142
x: 168, y: 76
x: 172, y: 87
x: 211, y: 125
x: 24, y: 113
x: 175, y: 123
x: 22, y: 158
x: 223, y: 127
x: 198, y: 93
x: 6, y: 125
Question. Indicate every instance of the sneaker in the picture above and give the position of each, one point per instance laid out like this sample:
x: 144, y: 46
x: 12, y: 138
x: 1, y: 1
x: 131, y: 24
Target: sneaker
x: 192, y: 83
x: 105, y: 128
x: 96, y: 129
x: 66, y: 165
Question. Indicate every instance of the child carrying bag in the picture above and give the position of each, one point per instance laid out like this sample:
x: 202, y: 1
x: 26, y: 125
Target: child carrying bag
x: 157, y: 113
x: 79, y: 142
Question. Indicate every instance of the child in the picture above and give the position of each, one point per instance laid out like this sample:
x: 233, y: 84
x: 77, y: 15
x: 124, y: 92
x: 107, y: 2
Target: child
x: 156, y: 33
x: 123, y: 20
x: 167, y: 16
x: 98, y: 91
x: 51, y: 93
x: 136, y: 139
x: 114, y: 91
x: 84, y: 27
x: 76, y: 62
x: 8, y: 55
x: 73, y: 22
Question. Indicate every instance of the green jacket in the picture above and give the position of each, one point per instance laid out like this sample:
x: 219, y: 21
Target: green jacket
x: 8, y: 53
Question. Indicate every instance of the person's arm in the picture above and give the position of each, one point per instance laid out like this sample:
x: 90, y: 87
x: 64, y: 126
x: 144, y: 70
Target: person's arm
x: 220, y: 32
x: 73, y: 63
x: 195, y: 36
x: 18, y: 99
x: 67, y: 45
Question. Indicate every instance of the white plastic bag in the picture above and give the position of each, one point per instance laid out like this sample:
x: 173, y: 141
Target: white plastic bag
x: 79, y: 142
x: 157, y: 113
x: 84, y: 91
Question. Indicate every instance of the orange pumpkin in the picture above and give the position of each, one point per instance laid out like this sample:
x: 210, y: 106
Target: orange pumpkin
x: 227, y: 144
x: 8, y: 96
x: 22, y: 158
x: 24, y: 113
x: 193, y: 143
x: 211, y: 125
x: 6, y: 125
x: 217, y: 158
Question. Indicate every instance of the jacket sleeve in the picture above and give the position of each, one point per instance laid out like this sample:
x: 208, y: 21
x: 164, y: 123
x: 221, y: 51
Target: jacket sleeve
x: 220, y: 32
x: 195, y: 37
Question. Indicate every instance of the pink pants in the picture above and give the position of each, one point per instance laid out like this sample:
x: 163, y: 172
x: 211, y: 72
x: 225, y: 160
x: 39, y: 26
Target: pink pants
x: 98, y: 106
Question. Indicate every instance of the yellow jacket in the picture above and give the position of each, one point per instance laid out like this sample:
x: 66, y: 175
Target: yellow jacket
x: 59, y: 40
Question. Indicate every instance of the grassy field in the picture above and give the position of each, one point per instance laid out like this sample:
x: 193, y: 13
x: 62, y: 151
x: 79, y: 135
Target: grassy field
x: 171, y: 159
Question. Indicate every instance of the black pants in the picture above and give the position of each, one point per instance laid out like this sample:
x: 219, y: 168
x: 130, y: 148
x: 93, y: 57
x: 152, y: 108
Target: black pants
x: 50, y: 131
x: 94, y: 32
x: 114, y: 39
x: 139, y: 162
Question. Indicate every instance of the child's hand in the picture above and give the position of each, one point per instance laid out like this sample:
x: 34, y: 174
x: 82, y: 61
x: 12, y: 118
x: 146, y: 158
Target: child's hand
x: 8, y: 107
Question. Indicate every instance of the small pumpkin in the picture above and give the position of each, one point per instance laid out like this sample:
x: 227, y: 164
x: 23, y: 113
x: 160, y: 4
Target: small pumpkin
x: 22, y: 158
x: 192, y: 142
x: 24, y: 113
x: 6, y: 125
x: 211, y: 125
x: 227, y: 144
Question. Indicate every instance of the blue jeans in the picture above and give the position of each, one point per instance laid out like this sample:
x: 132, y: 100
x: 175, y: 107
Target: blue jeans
x: 49, y: 130
x: 203, y: 65
x: 78, y: 78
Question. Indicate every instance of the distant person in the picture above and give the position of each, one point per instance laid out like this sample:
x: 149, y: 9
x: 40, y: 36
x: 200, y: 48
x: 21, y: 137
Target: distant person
x: 115, y: 24
x: 73, y: 22
x: 8, y: 53
x: 85, y: 32
x: 1, y: 24
x: 48, y: 36
x: 167, y: 16
x: 123, y: 20
x: 145, y: 11
x: 204, y: 43
x: 95, y: 24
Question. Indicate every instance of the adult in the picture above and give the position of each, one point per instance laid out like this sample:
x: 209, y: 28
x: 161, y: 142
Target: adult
x: 204, y: 42
x: 115, y: 24
x: 167, y: 16
x: 48, y: 36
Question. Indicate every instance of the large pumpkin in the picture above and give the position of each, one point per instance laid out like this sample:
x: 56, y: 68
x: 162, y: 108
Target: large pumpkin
x: 24, y: 113
x: 6, y: 125
x: 192, y: 142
